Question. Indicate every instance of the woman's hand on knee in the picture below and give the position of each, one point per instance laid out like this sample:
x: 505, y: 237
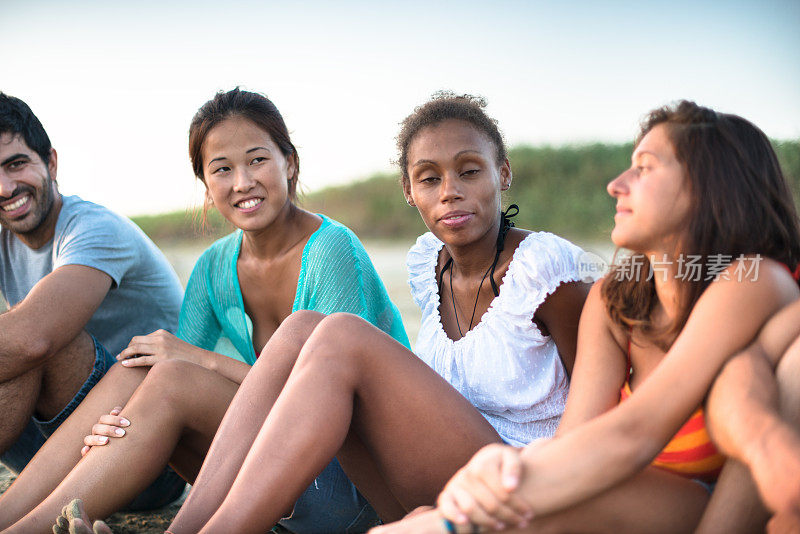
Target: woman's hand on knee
x: 145, y: 351
x: 109, y: 426
x: 482, y: 492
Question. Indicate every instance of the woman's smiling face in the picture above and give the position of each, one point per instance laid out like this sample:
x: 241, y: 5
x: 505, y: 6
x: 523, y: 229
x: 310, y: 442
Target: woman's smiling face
x: 455, y: 181
x: 246, y: 174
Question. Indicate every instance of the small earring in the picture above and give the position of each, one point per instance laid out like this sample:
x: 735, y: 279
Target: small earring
x: 410, y: 202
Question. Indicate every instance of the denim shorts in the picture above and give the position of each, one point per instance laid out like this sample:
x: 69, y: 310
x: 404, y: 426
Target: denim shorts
x: 165, y: 489
x: 331, y: 504
x: 708, y: 486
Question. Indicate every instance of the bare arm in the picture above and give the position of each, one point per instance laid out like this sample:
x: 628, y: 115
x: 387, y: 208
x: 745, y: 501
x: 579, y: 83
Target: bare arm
x: 612, y: 447
x: 744, y: 400
x: 745, y: 413
x: 54, y: 312
x: 560, y: 313
x: 599, y: 367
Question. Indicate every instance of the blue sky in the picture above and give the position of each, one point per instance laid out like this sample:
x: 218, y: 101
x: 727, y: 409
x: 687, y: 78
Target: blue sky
x: 116, y: 84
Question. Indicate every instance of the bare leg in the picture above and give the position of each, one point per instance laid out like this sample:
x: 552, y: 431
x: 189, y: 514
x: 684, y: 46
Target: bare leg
x: 652, y: 502
x: 62, y: 451
x: 170, y: 422
x: 736, y: 505
x: 18, y: 398
x: 415, y: 426
x: 243, y: 420
x: 45, y: 390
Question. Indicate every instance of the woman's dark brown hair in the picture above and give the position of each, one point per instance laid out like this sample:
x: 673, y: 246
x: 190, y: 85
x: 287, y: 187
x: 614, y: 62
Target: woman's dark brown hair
x: 741, y: 204
x: 253, y: 106
x: 445, y: 105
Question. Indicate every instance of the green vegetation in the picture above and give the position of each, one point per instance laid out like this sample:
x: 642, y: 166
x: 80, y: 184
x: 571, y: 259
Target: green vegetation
x: 559, y: 189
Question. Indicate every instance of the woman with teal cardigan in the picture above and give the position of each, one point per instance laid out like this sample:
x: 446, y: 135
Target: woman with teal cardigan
x: 335, y: 275
x: 171, y: 392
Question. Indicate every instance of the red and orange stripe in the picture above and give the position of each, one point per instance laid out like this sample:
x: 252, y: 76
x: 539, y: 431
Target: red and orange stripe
x: 690, y: 452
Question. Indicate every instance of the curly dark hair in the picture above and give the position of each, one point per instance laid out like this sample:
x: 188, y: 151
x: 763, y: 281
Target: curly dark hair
x: 446, y: 105
x: 17, y: 118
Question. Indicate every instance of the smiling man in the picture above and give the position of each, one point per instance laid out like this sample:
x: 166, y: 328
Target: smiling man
x: 80, y: 281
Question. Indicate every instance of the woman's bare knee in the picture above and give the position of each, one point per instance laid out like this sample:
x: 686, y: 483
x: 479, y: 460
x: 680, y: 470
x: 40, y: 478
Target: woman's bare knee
x: 171, y: 381
x: 119, y: 374
x: 347, y: 328
x: 346, y: 332
x: 305, y: 320
x: 339, y: 338
x: 294, y: 331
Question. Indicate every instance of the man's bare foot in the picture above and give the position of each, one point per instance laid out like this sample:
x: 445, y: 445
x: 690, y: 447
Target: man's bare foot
x: 73, y: 520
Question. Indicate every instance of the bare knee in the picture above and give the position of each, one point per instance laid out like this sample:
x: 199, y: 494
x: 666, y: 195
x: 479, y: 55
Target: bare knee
x: 340, y: 339
x: 344, y: 331
x: 76, y: 358
x: 170, y: 382
x: 303, y: 320
x: 788, y: 377
x: 64, y: 374
x: 296, y: 329
x: 18, y: 403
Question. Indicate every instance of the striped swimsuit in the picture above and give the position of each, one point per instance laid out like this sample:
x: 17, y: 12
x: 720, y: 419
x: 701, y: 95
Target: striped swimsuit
x: 690, y: 452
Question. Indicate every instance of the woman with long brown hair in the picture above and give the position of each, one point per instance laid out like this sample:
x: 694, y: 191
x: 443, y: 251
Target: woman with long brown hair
x: 709, y: 219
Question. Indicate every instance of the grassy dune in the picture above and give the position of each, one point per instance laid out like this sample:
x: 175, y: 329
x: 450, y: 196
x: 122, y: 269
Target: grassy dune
x: 559, y: 189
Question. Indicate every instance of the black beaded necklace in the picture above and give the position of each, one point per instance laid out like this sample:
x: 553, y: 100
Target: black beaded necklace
x: 505, y: 225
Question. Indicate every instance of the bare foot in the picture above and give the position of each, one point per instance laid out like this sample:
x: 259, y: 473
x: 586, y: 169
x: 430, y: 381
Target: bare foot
x: 73, y: 520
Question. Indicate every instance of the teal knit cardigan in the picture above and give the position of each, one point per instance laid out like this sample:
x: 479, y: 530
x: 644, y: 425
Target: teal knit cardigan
x: 336, y: 275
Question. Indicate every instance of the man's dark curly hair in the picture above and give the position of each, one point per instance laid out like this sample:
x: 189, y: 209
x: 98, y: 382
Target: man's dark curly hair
x: 446, y: 105
x: 16, y: 118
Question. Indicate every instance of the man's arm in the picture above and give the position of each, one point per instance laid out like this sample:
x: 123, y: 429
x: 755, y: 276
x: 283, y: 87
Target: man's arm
x: 744, y: 410
x: 54, y: 312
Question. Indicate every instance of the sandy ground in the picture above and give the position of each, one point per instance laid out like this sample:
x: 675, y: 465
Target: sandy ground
x: 155, y: 522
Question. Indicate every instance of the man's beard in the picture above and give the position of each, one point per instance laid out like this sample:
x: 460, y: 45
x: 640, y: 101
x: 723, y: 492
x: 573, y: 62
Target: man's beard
x: 42, y: 199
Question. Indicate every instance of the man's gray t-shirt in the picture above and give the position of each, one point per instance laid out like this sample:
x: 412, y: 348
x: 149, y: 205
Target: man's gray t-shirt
x: 145, y: 292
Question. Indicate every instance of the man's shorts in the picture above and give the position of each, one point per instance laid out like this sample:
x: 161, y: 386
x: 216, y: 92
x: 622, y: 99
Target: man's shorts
x: 165, y: 489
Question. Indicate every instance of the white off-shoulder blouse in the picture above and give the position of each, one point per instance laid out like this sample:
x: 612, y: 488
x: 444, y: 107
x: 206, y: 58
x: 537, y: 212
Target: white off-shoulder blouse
x: 504, y: 366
